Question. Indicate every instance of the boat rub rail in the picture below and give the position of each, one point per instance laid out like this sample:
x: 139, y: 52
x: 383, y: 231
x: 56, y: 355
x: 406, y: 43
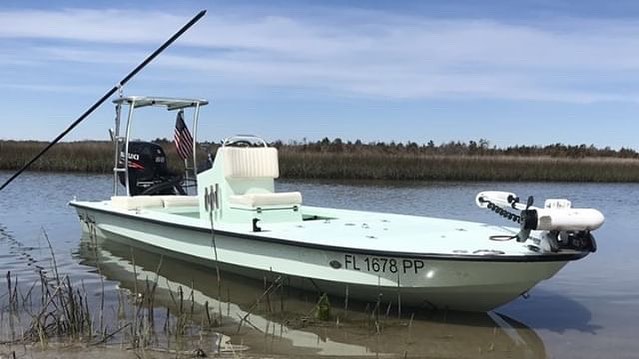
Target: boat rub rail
x: 562, y: 256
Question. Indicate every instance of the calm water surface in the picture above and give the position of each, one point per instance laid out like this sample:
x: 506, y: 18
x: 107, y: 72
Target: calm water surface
x: 590, y: 309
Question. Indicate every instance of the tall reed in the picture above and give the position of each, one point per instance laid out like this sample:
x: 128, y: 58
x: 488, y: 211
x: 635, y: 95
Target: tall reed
x: 456, y: 167
x: 370, y: 162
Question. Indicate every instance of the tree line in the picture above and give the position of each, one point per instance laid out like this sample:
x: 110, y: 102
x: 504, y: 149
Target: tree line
x: 481, y: 147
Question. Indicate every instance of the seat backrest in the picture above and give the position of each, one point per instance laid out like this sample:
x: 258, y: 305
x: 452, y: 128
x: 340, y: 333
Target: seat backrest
x: 251, y: 162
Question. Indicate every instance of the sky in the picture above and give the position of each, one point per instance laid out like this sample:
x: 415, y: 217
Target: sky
x: 526, y: 72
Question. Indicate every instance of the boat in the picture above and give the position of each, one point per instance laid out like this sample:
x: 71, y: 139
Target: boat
x: 230, y: 217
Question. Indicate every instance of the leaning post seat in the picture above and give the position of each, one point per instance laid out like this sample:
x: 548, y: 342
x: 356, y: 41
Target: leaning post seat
x: 140, y: 202
x: 250, y: 173
x: 256, y: 200
x: 243, y: 179
x: 250, y: 162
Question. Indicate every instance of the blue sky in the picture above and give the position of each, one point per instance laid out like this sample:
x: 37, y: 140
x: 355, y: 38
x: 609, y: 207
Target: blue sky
x: 535, y: 72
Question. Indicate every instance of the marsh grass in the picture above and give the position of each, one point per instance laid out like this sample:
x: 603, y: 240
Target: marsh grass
x: 84, y: 156
x: 375, y: 166
x: 57, y: 310
x: 369, y: 162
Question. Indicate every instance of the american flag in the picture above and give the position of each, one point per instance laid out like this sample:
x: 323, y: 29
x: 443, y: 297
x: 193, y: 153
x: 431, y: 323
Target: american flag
x: 182, y: 137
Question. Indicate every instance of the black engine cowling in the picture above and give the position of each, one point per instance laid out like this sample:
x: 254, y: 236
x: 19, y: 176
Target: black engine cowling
x: 148, y: 171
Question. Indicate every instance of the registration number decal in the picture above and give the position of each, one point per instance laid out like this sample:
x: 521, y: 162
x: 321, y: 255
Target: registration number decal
x: 382, y: 265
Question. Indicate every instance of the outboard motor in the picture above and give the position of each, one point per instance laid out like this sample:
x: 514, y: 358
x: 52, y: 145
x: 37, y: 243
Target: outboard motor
x: 148, y: 171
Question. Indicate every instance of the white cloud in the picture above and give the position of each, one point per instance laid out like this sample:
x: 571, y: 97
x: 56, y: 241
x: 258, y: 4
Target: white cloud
x: 49, y: 88
x: 370, y: 54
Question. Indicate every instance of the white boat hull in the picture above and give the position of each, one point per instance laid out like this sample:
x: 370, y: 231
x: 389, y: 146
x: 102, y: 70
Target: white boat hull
x: 416, y: 280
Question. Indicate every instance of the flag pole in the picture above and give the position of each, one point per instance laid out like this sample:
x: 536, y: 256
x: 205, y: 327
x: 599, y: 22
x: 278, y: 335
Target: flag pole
x: 108, y: 94
x: 180, y: 138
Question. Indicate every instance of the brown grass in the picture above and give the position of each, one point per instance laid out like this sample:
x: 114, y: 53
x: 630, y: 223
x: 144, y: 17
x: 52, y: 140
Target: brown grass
x: 370, y: 163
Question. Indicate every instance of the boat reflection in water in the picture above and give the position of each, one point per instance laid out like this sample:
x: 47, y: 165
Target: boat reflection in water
x: 281, y: 320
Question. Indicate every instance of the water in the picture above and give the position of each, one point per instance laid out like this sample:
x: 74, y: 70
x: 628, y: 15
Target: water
x: 590, y: 309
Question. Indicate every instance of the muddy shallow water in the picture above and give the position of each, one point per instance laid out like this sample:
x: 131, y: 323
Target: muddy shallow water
x: 590, y: 309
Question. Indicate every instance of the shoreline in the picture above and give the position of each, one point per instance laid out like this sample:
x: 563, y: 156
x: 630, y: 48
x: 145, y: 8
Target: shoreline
x: 373, y: 162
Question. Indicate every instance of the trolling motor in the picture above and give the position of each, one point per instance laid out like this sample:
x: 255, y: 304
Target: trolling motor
x: 562, y: 225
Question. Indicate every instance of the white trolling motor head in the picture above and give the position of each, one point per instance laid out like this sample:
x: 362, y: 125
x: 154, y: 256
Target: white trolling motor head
x: 564, y: 226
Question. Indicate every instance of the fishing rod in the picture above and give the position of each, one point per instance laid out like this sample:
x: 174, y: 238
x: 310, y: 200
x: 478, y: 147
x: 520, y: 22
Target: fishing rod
x: 109, y: 93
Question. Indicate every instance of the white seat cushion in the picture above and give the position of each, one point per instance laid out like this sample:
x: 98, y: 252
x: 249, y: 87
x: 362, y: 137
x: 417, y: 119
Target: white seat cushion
x: 180, y: 201
x: 135, y: 202
x: 250, y: 162
x: 267, y: 199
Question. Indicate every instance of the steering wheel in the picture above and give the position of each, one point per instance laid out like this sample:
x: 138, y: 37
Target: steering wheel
x: 240, y: 143
x: 174, y: 183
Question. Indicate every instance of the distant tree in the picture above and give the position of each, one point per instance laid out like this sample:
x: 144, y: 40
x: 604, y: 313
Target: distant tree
x: 337, y: 145
x: 472, y: 146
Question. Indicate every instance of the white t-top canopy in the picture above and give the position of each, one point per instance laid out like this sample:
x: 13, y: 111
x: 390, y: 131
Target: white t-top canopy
x: 169, y: 103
